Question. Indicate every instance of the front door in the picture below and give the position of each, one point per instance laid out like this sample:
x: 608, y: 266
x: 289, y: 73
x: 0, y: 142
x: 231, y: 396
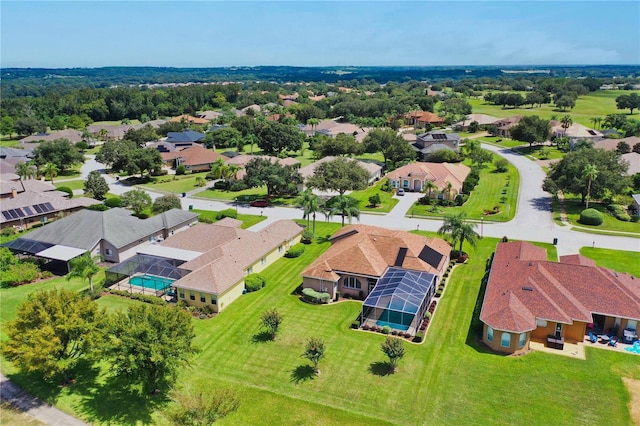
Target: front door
x: 417, y: 185
x: 558, y: 330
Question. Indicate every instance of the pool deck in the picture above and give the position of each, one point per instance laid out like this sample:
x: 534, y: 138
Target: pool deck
x: 577, y: 350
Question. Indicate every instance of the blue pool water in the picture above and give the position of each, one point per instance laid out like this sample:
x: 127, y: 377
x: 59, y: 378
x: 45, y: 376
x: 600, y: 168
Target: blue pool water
x: 635, y: 348
x: 393, y: 325
x: 151, y: 281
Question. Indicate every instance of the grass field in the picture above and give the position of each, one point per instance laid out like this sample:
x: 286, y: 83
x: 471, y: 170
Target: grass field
x: 174, y: 184
x: 9, y: 142
x: 486, y: 195
x: 386, y: 198
x: 620, y: 261
x: 596, y: 104
x: 503, y: 142
x: 11, y: 416
x: 536, y: 151
x: 450, y: 379
x: 73, y: 184
x: 248, y: 220
x: 573, y: 208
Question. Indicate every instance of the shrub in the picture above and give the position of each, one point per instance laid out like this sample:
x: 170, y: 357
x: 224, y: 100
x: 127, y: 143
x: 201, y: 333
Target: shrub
x: 366, y: 327
x: 98, y: 207
x: 355, y: 324
x: 619, y: 212
x: 502, y: 165
x: 386, y: 329
x: 147, y: 298
x: 113, y: 202
x: 182, y: 304
x: 307, y: 237
x: 254, y: 282
x: 46, y: 275
x: 374, y: 200
x: 425, y: 201
x: 461, y: 199
x: 19, y: 273
x: 66, y: 189
x: 310, y: 295
x: 463, y: 258
x: 221, y: 184
x: 238, y: 186
x: 208, y: 310
x: 419, y: 337
x: 7, y: 232
x: 470, y: 183
x: 438, y: 293
x: 635, y: 218
x: 82, y: 145
x: 295, y: 251
x: 181, y: 170
x: 591, y: 217
x: 427, y: 315
x: 227, y: 213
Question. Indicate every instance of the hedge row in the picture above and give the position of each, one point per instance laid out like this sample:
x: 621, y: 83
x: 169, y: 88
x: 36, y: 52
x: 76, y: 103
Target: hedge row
x: 254, y: 282
x: 310, y: 295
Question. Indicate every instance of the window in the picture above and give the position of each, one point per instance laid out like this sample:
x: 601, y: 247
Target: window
x: 394, y: 184
x: 263, y: 261
x: 203, y: 298
x: 192, y: 295
x: 181, y: 294
x: 405, y: 183
x: 213, y: 300
x: 250, y: 271
x: 280, y: 249
x: 107, y: 252
x: 489, y: 334
x: 351, y: 282
x: 632, y: 324
x: 505, y: 342
x: 541, y: 323
x: 522, y: 340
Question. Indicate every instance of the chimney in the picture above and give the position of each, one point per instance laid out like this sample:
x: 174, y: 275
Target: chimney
x: 14, y: 192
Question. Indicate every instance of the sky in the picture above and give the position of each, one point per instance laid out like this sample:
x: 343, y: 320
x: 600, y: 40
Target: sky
x: 52, y: 34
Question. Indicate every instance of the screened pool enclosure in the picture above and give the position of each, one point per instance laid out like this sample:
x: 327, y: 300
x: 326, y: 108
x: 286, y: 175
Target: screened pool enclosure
x: 145, y: 273
x: 399, y: 299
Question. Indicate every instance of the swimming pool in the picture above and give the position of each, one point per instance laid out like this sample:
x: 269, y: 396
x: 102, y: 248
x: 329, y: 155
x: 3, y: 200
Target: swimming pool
x: 151, y: 281
x: 392, y: 325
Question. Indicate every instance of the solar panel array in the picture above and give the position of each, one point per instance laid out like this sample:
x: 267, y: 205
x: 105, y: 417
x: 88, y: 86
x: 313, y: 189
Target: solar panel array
x: 439, y: 136
x: 12, y: 214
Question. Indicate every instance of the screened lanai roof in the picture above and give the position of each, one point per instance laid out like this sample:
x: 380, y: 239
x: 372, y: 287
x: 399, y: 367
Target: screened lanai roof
x: 146, y: 264
x: 400, y: 290
x: 25, y: 245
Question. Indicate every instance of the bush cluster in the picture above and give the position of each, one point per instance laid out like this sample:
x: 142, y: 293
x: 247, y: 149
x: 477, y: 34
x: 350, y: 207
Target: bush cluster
x: 310, y: 295
x: 221, y: 184
x: 66, y: 189
x: 227, y: 213
x: 307, y: 237
x: 254, y: 282
x: 619, y: 212
x: 295, y: 251
x: 146, y: 298
x: 419, y: 337
x: 470, y: 182
x: 181, y: 170
x: 591, y: 217
x: 19, y: 273
x: 113, y: 202
x: 238, y: 185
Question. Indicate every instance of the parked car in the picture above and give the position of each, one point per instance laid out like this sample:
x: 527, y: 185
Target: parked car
x: 259, y: 203
x: 400, y: 191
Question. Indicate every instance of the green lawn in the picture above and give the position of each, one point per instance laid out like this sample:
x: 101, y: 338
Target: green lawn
x: 553, y: 153
x: 486, y: 195
x: 73, y: 184
x: 596, y: 104
x: 621, y: 261
x: 573, y: 207
x: 9, y: 142
x: 450, y: 379
x: 386, y: 198
x: 248, y: 220
x: 503, y: 142
x: 174, y: 184
x: 242, y: 196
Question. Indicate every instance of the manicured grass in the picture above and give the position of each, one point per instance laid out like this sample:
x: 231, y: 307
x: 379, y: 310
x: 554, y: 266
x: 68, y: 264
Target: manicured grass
x: 450, y: 379
x: 73, y: 184
x: 248, y: 220
x: 9, y: 142
x: 553, y: 153
x: 486, y: 195
x: 503, y: 142
x: 174, y: 184
x: 573, y: 208
x: 596, y: 104
x: 116, y: 303
x: 244, y: 195
x: 620, y: 261
x: 14, y: 417
x: 386, y: 198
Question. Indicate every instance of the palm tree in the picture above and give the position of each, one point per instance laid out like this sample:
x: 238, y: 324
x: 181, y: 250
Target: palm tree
x: 25, y: 171
x: 310, y: 204
x: 50, y: 170
x: 232, y: 171
x: 456, y: 226
x: 448, y: 188
x: 83, y: 267
x: 470, y: 145
x: 345, y: 206
x: 102, y: 134
x: 590, y: 172
x: 313, y: 122
x: 596, y: 121
x: 430, y: 185
x: 566, y: 122
x: 219, y: 169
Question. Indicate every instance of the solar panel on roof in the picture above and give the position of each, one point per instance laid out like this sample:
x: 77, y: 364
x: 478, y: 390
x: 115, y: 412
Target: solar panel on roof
x: 19, y: 212
x: 28, y: 211
x: 13, y: 214
x: 43, y: 207
x: 37, y: 208
x: 49, y: 207
x: 6, y: 215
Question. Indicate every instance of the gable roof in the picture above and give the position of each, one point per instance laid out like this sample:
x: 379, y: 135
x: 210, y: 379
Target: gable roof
x: 186, y: 136
x: 370, y: 250
x: 58, y: 202
x: 439, y: 173
x: 87, y: 228
x: 189, y: 119
x: 70, y: 134
x: 193, y: 155
x: 424, y: 117
x: 523, y: 286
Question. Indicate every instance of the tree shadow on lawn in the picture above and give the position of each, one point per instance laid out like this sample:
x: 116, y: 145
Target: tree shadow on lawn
x: 380, y: 368
x: 117, y: 402
x: 261, y: 337
x: 302, y: 373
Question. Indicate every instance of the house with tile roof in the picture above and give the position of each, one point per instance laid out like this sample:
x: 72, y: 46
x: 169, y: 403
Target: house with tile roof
x: 503, y: 126
x: 575, y: 132
x: 224, y: 255
x: 414, y: 176
x: 529, y: 298
x: 374, y: 169
x: 114, y: 234
x: 422, y: 118
x: 481, y: 119
x: 186, y: 118
x: 362, y: 256
x: 429, y: 142
x: 195, y: 158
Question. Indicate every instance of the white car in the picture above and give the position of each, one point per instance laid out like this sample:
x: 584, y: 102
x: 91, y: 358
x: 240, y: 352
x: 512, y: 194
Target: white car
x: 400, y: 191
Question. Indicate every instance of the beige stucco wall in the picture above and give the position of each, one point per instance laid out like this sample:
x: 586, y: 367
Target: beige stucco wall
x: 322, y: 286
x: 571, y: 332
x: 496, y: 345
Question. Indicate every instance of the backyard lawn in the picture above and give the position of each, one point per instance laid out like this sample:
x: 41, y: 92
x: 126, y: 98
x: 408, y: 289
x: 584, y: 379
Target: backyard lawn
x: 248, y: 220
x: 488, y: 193
x: 596, y: 104
x: 174, y: 184
x: 573, y: 208
x: 73, y: 184
x: 620, y: 261
x: 387, y: 202
x: 449, y: 379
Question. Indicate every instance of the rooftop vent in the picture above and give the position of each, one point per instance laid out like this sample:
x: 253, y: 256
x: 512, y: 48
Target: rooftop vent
x: 527, y: 288
x: 531, y: 263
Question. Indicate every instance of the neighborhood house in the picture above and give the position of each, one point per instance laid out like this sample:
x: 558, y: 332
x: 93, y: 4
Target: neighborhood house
x: 415, y: 177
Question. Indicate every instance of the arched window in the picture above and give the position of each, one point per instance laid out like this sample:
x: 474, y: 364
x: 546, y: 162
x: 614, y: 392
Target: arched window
x: 489, y: 334
x: 352, y: 282
x: 505, y: 342
x: 405, y: 183
x: 522, y: 340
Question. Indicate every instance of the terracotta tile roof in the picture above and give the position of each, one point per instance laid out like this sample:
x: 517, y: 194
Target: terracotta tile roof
x: 227, y: 252
x: 439, y: 173
x: 523, y: 286
x: 370, y: 250
x: 424, y: 117
x: 193, y: 156
x: 189, y: 119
